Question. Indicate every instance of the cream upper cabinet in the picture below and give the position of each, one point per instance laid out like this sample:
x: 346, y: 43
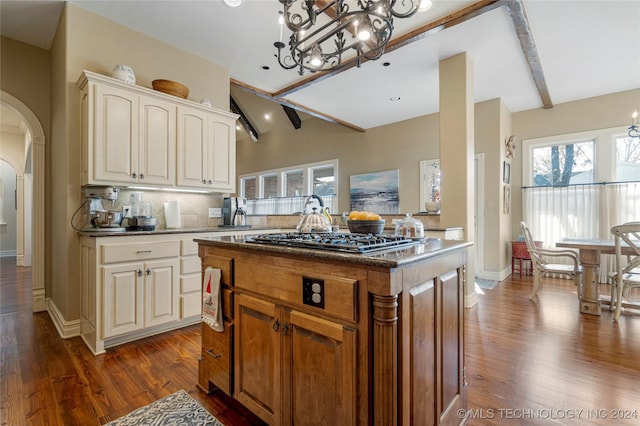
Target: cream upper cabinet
x: 206, y: 150
x: 157, y: 143
x: 135, y: 135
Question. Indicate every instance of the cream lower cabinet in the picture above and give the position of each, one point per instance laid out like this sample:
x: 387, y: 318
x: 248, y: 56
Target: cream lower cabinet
x: 130, y: 288
x: 139, y: 295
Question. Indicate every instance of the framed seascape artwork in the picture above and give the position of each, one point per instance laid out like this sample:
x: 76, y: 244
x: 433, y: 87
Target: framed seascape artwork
x: 377, y: 192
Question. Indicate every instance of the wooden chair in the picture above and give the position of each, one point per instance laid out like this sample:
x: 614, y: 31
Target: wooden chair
x: 627, y: 276
x: 541, y: 266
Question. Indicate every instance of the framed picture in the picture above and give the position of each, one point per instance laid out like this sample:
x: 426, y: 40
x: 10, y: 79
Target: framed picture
x: 506, y: 172
x: 376, y: 192
x: 507, y: 200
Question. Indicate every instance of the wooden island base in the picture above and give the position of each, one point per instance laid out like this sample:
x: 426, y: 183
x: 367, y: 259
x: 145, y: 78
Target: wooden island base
x: 315, y: 337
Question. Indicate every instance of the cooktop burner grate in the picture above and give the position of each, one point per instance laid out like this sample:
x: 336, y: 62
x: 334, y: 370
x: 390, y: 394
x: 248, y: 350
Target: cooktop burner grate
x: 335, y: 241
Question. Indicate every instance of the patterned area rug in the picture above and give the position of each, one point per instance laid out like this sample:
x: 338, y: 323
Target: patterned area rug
x: 486, y: 284
x: 176, y: 409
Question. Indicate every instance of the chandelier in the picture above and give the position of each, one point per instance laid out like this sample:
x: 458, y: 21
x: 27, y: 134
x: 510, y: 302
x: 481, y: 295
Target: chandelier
x: 327, y: 34
x: 634, y: 131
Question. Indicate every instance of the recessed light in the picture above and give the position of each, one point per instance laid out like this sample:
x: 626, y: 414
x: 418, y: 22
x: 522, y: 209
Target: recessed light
x: 394, y: 98
x: 233, y: 3
x: 386, y: 64
x: 266, y: 67
x: 267, y: 116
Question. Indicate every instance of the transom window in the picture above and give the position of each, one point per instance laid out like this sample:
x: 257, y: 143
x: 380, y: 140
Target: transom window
x: 302, y: 180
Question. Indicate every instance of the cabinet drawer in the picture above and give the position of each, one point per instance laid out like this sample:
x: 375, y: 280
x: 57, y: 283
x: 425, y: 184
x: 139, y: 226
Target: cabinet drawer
x: 190, y: 265
x: 131, y: 252
x: 190, y: 283
x: 225, y: 264
x: 190, y: 305
x: 188, y: 247
x: 217, y: 351
x: 285, y: 286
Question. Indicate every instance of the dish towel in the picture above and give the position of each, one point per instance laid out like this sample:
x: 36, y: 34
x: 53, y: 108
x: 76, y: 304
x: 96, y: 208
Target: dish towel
x: 211, y: 299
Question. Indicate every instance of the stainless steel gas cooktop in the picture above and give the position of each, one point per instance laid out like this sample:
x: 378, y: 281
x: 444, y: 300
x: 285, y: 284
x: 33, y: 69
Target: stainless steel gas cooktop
x: 334, y: 241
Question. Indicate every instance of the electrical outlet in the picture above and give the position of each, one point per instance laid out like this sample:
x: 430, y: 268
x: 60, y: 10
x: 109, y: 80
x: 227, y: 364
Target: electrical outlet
x: 126, y: 211
x: 215, y: 212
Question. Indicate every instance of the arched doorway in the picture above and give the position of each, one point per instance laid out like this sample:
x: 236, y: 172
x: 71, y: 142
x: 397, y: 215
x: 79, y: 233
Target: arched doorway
x: 37, y: 229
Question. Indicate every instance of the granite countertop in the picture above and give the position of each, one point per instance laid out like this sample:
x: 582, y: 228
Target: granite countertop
x: 389, y: 258
x: 165, y: 231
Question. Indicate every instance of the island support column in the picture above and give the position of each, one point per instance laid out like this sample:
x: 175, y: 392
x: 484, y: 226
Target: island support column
x: 385, y: 360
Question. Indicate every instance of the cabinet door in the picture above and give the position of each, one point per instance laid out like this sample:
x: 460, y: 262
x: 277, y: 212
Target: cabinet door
x: 319, y: 371
x: 257, y: 357
x: 161, y: 292
x: 192, y: 148
x: 123, y: 295
x: 115, y: 150
x: 221, y: 154
x: 157, y: 147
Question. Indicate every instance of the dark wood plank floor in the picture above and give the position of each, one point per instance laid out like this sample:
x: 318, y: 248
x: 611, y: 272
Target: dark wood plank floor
x: 528, y: 363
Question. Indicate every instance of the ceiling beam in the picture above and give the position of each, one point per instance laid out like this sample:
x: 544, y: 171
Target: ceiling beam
x: 516, y: 12
x: 314, y: 113
x: 293, y: 116
x: 528, y: 46
x: 248, y: 127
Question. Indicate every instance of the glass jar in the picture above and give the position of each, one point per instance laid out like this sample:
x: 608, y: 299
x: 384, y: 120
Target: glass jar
x: 409, y: 227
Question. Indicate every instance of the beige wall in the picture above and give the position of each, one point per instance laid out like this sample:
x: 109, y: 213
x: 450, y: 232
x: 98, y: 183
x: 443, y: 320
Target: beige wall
x: 87, y: 41
x: 25, y: 74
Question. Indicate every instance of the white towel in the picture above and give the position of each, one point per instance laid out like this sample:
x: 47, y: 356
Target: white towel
x: 211, y: 299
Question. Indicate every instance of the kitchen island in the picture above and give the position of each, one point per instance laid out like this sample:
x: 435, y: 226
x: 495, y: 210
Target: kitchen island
x: 313, y: 336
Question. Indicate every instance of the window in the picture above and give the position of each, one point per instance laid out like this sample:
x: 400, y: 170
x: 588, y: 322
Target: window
x: 323, y: 179
x: 294, y: 183
x: 627, y: 159
x: 302, y: 180
x: 270, y: 186
x: 563, y: 164
x: 249, y: 187
x: 580, y: 185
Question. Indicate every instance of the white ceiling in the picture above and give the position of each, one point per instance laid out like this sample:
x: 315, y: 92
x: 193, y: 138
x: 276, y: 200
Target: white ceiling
x: 586, y: 48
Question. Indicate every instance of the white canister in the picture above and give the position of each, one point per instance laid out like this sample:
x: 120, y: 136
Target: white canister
x: 206, y: 102
x: 124, y: 73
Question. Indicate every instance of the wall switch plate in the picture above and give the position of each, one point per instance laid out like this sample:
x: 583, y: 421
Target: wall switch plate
x: 126, y: 210
x: 215, y: 212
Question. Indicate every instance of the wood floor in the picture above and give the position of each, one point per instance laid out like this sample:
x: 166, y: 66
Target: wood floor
x: 528, y: 363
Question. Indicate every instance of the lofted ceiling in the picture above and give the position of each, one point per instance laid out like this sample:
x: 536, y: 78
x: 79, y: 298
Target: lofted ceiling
x: 530, y: 53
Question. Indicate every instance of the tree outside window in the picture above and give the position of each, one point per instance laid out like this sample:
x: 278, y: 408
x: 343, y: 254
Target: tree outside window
x: 566, y: 164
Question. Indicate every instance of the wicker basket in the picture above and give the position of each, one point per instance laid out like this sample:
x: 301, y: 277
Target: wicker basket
x: 171, y: 88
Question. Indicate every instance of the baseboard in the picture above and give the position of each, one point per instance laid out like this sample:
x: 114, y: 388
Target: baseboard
x: 8, y: 253
x: 38, y: 300
x: 495, y: 275
x: 20, y: 260
x: 66, y: 329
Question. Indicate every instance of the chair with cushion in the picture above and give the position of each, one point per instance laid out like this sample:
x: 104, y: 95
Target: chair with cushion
x: 627, y: 265
x: 541, y: 257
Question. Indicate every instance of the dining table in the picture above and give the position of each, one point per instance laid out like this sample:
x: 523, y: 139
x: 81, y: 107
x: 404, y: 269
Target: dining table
x: 589, y: 251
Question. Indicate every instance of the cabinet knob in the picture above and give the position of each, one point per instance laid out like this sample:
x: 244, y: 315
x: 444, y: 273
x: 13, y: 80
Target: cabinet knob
x: 141, y: 175
x: 285, y: 329
x: 204, y: 181
x: 134, y: 175
x: 210, y: 182
x: 276, y: 325
x: 148, y: 271
x: 139, y: 272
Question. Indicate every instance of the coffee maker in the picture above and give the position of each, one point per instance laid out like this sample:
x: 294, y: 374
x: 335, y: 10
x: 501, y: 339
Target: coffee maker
x: 234, y: 212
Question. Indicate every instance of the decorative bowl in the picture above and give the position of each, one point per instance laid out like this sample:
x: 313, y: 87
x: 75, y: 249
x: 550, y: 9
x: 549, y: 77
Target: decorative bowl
x: 171, y: 88
x: 366, y: 226
x: 432, y: 206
